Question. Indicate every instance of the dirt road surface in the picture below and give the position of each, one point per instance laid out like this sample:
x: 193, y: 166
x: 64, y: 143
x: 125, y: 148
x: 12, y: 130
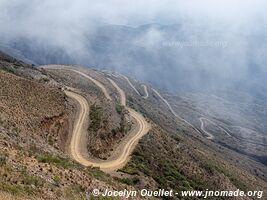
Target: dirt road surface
x: 62, y: 67
x: 124, y: 149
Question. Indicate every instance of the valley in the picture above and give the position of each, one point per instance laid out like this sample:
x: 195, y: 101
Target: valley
x: 116, y: 132
x: 103, y: 100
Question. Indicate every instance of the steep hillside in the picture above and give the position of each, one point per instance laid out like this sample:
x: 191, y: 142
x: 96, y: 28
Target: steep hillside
x: 57, y: 121
x: 238, y: 121
x: 179, y: 150
x: 177, y: 154
x: 35, y: 124
x: 108, y: 122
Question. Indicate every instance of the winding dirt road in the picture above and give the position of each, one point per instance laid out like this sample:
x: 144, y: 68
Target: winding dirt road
x: 133, y: 87
x: 121, y: 92
x: 164, y: 100
x: 124, y: 149
x: 79, y: 130
x: 209, y: 135
x: 202, y: 119
x: 130, y: 83
x: 146, y: 92
x: 202, y: 127
x: 97, y: 83
x: 173, y: 112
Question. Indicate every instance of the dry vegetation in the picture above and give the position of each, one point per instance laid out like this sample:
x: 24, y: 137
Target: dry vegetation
x: 34, y: 127
x: 108, y: 120
x: 176, y: 156
x: 36, y: 119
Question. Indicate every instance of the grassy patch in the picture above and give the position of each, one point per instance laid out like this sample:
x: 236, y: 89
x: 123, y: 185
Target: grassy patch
x: 50, y: 140
x: 74, y: 192
x: 130, y: 99
x: 56, y: 160
x: 129, y: 181
x: 115, y: 131
x: 128, y: 169
x: 33, y: 150
x: 16, y: 189
x: 163, y: 169
x: 96, y: 173
x: 119, y: 108
x: 30, y: 180
x: 22, y: 182
x: 236, y: 182
x: 57, y: 180
x: 8, y: 69
x: 130, y: 102
x: 96, y: 114
x: 3, y: 158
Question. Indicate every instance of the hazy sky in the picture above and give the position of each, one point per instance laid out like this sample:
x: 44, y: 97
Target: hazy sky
x: 68, y: 24
x: 16, y: 13
x: 59, y: 20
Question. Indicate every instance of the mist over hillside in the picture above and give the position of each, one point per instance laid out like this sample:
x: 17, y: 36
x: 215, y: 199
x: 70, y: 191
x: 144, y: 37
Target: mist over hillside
x: 99, y: 98
x: 211, y: 48
x: 184, y: 58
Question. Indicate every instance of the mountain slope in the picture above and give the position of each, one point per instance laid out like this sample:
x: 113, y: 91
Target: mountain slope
x: 37, y: 122
x: 35, y: 128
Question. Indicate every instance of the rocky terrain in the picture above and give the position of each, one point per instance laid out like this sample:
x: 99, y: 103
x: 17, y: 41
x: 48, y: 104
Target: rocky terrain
x: 108, y: 119
x: 238, y: 120
x: 189, y: 156
x: 37, y: 120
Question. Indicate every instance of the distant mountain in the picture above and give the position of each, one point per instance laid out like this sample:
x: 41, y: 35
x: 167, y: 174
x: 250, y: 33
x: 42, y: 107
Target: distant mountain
x: 185, y: 58
x: 15, y: 53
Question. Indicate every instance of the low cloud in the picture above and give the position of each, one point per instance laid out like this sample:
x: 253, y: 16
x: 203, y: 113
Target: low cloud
x: 207, y: 41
